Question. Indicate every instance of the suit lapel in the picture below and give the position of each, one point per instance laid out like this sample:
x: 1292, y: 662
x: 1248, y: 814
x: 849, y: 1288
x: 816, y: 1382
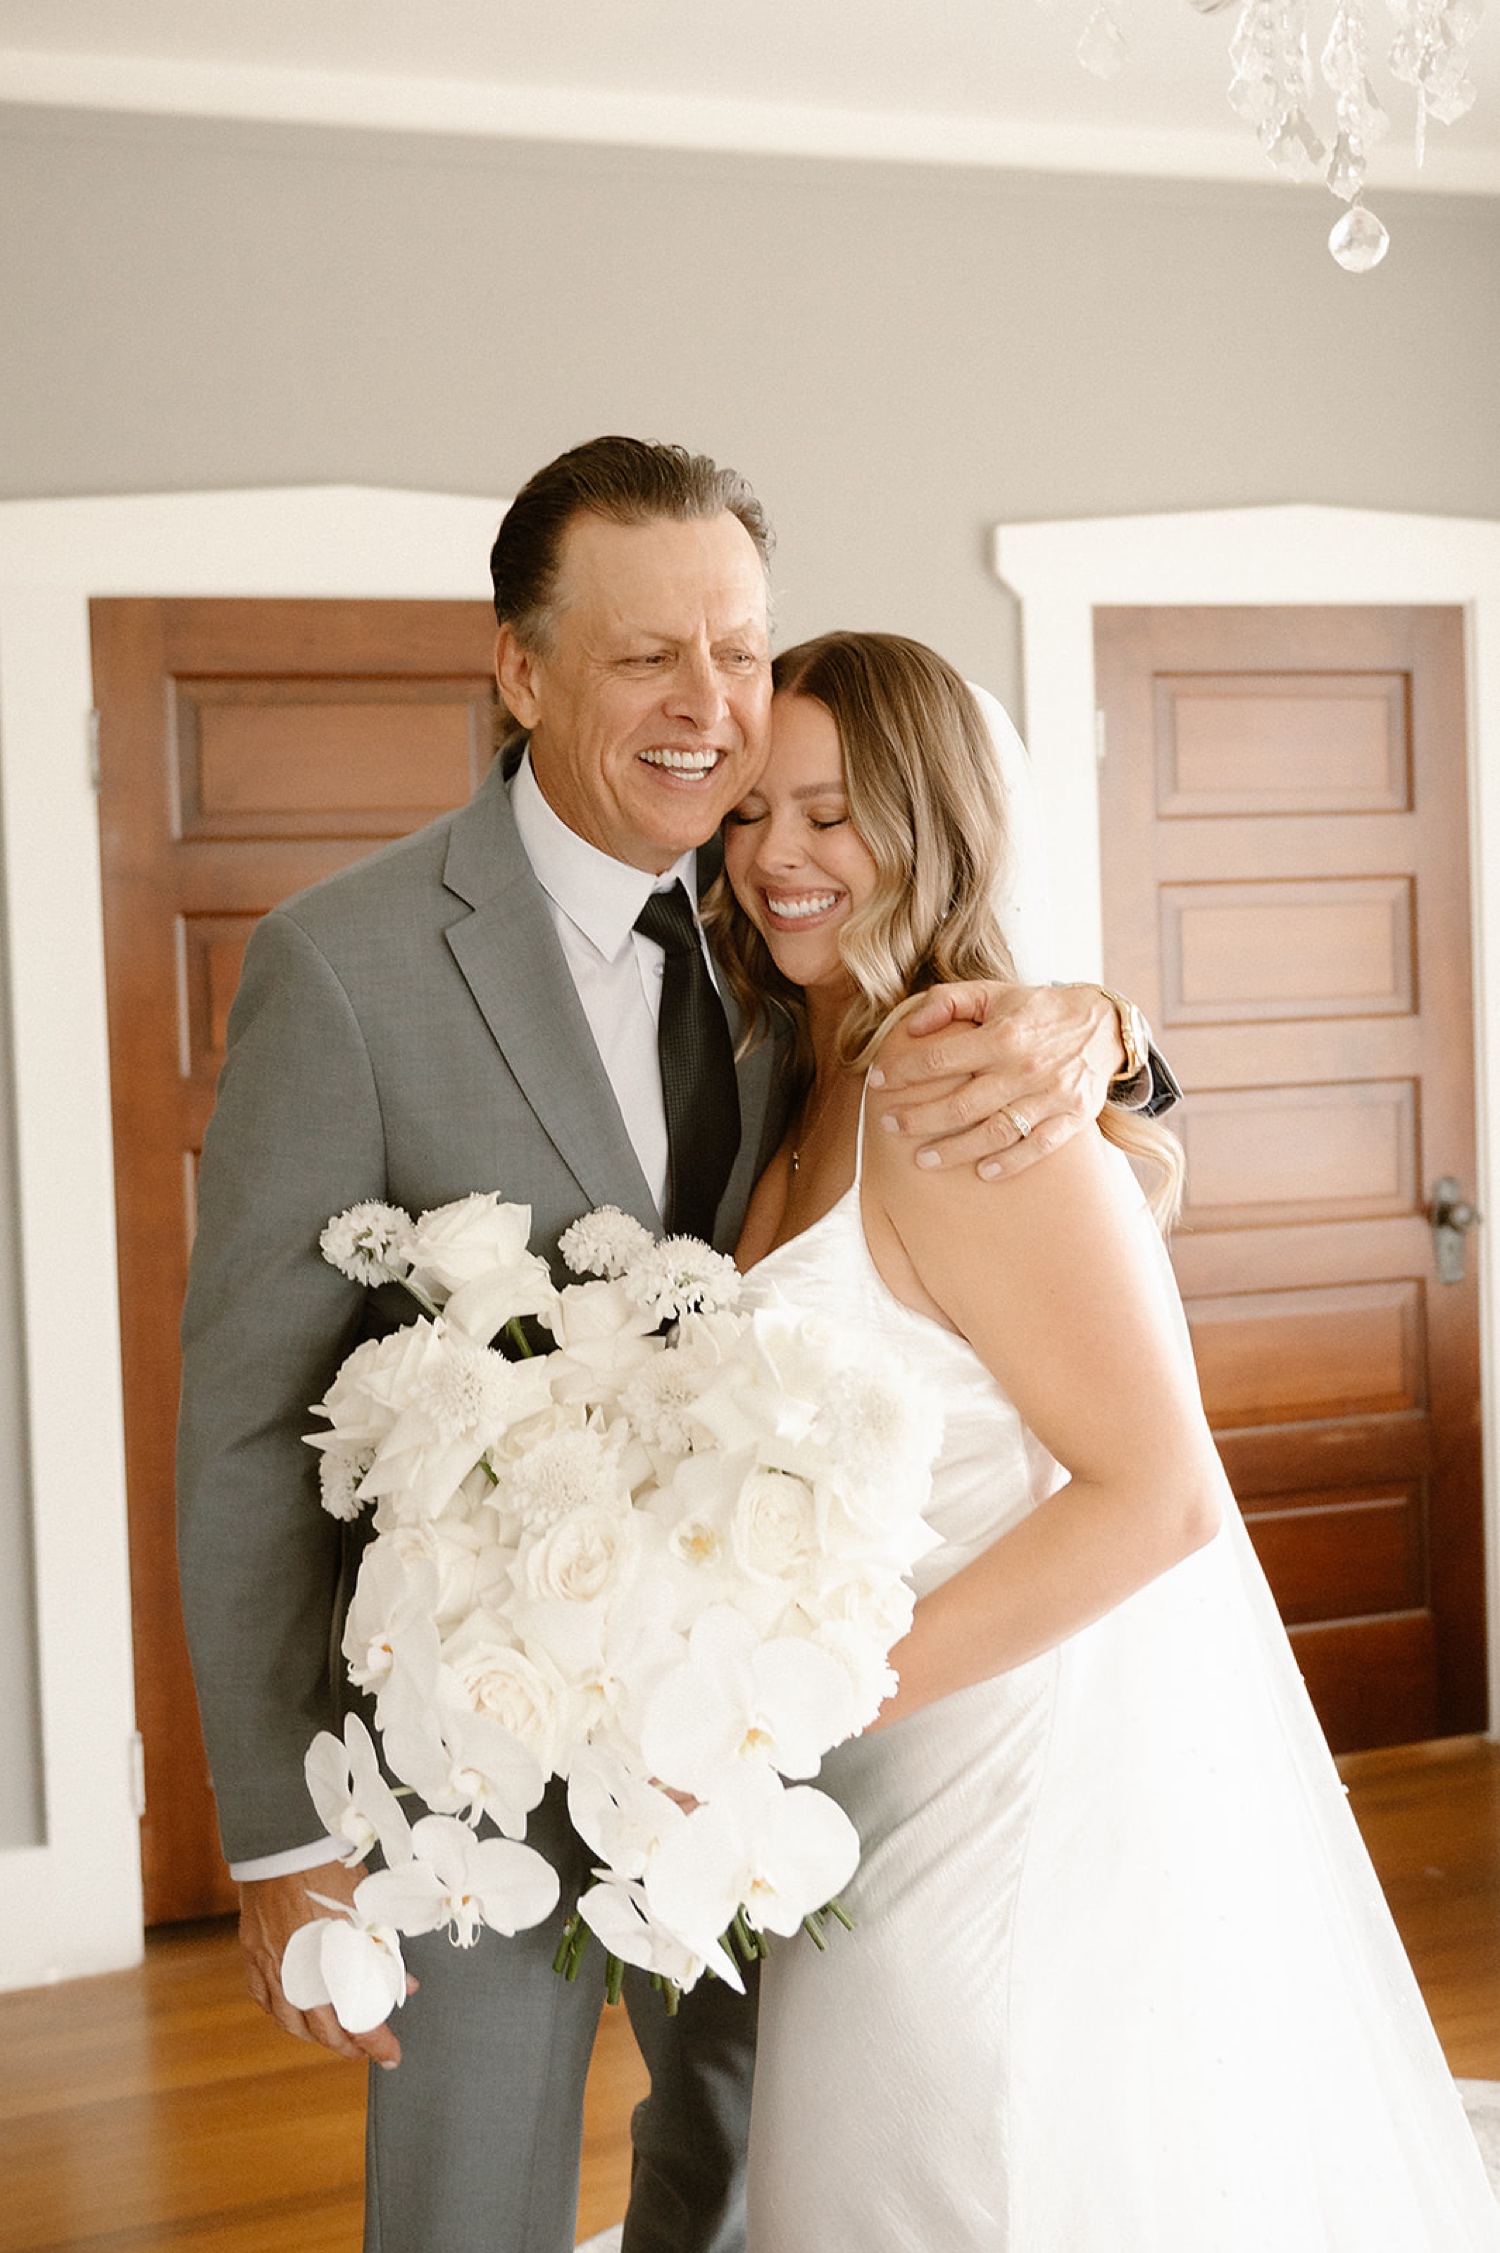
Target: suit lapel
x: 507, y: 950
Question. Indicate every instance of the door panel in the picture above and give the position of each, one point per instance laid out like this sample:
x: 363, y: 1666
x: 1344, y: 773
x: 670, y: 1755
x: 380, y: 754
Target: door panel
x: 246, y: 750
x: 1284, y: 807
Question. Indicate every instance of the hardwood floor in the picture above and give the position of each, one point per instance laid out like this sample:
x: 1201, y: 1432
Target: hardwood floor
x: 157, y: 2109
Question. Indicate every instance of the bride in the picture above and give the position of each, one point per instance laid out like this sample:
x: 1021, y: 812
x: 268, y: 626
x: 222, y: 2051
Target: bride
x: 1121, y: 1979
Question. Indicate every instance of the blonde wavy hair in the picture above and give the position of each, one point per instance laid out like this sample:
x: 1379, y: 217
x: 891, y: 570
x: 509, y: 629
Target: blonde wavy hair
x: 925, y: 796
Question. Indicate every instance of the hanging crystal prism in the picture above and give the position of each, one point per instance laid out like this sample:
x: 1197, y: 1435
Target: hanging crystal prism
x: 1101, y: 44
x: 1361, y: 119
x: 1271, y: 88
x: 1358, y: 240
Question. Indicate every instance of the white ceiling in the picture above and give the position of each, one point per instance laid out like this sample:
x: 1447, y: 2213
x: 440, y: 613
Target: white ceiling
x: 969, y: 81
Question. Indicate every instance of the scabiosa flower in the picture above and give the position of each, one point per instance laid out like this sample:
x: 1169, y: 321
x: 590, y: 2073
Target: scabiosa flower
x: 369, y: 1243
x: 605, y: 1242
x: 659, y: 1402
x: 874, y: 1425
x: 682, y: 1275
x: 339, y: 1473
x: 565, y: 1472
x: 469, y: 1388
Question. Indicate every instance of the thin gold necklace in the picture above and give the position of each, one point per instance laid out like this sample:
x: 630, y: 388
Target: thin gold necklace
x: 803, y: 1126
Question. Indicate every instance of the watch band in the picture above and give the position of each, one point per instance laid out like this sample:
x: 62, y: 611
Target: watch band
x: 1135, y: 1036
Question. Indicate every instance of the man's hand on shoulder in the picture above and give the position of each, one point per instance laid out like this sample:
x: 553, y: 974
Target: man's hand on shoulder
x: 994, y: 1076
x: 271, y: 1910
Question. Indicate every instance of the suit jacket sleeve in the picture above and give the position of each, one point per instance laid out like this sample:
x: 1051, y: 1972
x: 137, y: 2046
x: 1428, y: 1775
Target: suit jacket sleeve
x: 296, y: 1136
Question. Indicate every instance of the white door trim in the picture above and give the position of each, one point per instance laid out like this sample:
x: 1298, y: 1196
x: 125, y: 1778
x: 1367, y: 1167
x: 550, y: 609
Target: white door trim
x: 1061, y: 571
x: 74, y: 1905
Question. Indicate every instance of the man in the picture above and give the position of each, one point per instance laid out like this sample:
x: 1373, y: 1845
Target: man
x: 481, y: 1006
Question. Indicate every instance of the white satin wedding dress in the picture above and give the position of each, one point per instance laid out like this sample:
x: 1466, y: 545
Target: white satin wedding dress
x: 1122, y: 1979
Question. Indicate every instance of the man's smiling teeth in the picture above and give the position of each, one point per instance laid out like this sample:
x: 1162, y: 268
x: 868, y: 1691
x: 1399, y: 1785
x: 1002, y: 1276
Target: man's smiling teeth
x: 810, y: 903
x: 683, y: 762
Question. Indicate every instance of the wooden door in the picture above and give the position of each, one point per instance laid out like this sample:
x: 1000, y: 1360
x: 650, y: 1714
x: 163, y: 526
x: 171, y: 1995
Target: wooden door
x: 245, y: 749
x: 1284, y: 801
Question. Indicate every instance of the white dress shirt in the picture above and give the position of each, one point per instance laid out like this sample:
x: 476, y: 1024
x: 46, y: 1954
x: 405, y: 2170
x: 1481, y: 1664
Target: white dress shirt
x: 593, y: 901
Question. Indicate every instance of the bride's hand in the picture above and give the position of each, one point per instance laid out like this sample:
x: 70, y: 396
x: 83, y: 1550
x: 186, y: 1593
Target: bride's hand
x: 994, y: 1075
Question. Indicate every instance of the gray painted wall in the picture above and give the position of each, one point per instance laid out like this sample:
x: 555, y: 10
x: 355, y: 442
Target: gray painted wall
x: 898, y: 358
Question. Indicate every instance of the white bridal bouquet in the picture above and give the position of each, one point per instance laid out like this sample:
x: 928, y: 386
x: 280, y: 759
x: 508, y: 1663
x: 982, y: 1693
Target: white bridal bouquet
x: 665, y: 1560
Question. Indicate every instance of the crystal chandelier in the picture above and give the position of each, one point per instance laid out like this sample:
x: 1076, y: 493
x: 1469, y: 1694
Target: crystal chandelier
x: 1271, y: 86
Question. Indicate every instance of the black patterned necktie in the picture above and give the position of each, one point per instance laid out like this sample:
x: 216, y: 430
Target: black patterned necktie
x: 697, y: 1068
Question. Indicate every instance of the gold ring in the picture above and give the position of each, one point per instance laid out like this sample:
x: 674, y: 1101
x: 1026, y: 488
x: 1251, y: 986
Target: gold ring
x: 1022, y: 1126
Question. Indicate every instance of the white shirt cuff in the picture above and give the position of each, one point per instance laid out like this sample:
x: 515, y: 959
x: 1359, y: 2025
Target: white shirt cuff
x: 288, y: 1864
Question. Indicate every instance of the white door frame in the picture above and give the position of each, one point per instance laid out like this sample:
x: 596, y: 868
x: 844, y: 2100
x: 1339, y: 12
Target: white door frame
x: 73, y: 1905
x: 1061, y: 571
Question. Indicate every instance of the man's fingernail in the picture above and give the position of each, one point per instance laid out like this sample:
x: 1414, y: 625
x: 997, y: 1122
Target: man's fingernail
x: 888, y: 1122
x: 876, y: 1076
x: 388, y: 2065
x: 928, y: 1159
x: 990, y: 1170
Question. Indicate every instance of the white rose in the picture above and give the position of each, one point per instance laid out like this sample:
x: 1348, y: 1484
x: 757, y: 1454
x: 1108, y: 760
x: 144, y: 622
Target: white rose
x: 453, y: 1244
x: 773, y: 1529
x: 575, y: 1560
x: 523, y: 1696
x: 475, y: 1251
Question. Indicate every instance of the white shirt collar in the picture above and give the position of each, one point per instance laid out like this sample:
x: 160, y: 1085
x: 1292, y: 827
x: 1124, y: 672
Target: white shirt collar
x: 601, y: 895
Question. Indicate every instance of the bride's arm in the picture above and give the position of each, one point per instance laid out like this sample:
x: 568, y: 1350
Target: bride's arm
x: 1058, y: 1285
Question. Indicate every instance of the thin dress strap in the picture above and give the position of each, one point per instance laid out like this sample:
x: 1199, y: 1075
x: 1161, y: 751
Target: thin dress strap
x: 859, y: 1134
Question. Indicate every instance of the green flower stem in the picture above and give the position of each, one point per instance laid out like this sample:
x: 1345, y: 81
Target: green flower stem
x: 669, y: 1991
x: 614, y: 1978
x: 415, y: 1291
x: 813, y: 1927
x: 752, y: 1944
x: 565, y: 1962
x: 518, y: 1338
x: 837, y: 1909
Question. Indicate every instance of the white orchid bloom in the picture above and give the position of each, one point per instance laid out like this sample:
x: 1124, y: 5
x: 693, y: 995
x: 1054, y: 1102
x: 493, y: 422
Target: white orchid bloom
x: 615, y: 1912
x: 774, y: 1853
x: 350, y: 1962
x: 456, y: 1760
x: 623, y: 1818
x: 463, y: 1882
x: 737, y: 1699
x: 612, y: 1652
x: 353, y: 1800
x: 394, y: 1596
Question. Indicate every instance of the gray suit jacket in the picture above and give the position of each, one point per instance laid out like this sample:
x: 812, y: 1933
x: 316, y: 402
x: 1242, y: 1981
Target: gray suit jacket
x: 407, y: 1031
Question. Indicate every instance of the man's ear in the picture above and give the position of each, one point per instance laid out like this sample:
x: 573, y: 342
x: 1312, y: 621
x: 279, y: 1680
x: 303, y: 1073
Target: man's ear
x: 515, y: 670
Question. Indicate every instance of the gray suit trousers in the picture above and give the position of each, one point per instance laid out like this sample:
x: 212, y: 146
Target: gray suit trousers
x: 499, y: 2170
